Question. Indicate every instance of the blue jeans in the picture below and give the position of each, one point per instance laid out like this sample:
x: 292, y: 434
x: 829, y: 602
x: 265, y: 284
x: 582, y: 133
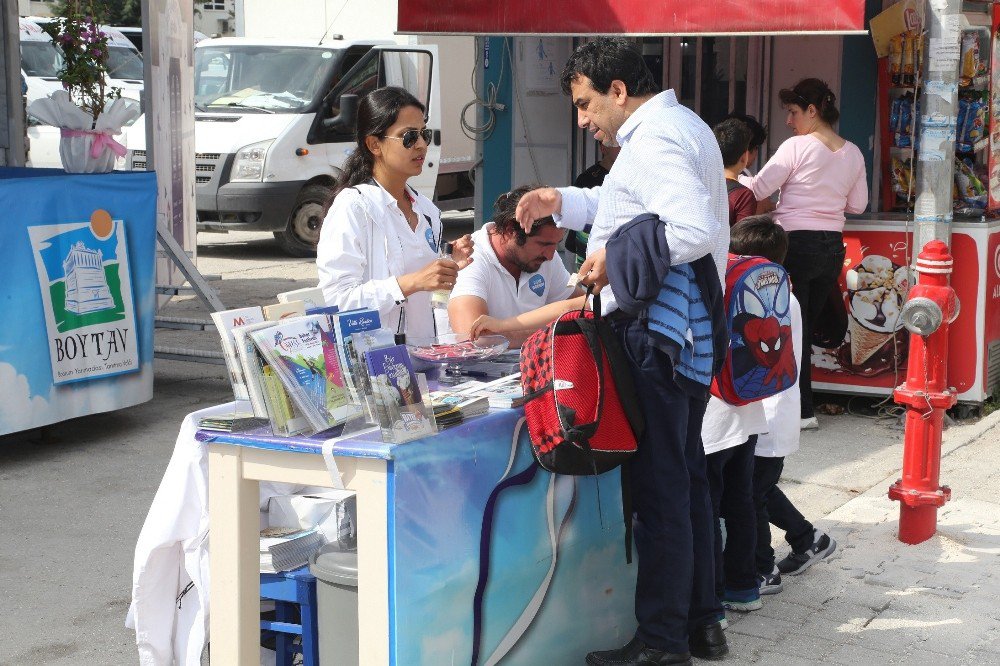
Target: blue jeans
x: 674, y: 538
x: 730, y: 480
x: 814, y: 262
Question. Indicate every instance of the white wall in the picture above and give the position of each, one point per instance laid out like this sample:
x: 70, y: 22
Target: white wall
x: 36, y: 7
x: 543, y: 119
x: 795, y: 58
x: 309, y: 19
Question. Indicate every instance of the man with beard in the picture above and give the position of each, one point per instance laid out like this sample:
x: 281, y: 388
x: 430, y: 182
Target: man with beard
x: 512, y: 271
x: 670, y: 166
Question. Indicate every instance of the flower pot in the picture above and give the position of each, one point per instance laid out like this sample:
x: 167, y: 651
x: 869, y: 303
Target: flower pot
x: 86, y: 151
x: 86, y: 145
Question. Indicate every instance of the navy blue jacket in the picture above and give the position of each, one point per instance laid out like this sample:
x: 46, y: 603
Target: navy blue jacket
x: 638, y: 260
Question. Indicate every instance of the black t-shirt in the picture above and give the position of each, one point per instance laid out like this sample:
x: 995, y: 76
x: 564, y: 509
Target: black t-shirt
x: 592, y: 177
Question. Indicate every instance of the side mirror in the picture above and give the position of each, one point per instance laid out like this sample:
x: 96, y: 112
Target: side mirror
x: 344, y: 121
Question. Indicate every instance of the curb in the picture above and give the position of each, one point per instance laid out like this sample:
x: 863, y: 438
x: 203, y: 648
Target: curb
x: 953, y: 439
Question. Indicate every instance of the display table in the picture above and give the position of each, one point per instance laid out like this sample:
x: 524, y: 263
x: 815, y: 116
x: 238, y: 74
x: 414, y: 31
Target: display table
x: 545, y: 581
x: 78, y: 294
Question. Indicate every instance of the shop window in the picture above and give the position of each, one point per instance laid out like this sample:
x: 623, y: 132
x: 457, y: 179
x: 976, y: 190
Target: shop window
x: 710, y: 74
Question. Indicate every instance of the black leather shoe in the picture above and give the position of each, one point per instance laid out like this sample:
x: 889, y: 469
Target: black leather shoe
x: 709, y: 642
x: 637, y: 653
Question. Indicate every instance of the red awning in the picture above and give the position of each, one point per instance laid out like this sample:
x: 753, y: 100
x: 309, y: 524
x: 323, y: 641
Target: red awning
x: 630, y: 17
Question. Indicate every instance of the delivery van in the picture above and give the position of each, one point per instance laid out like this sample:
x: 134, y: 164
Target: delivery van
x: 274, y: 122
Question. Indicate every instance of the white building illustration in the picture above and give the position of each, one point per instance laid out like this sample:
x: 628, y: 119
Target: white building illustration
x: 86, y: 285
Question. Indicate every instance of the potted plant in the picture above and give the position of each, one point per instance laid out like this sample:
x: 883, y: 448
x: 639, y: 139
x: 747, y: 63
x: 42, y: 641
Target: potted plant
x: 87, y: 110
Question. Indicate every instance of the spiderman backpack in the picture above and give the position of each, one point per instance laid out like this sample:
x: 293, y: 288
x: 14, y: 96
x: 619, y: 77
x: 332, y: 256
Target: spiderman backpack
x: 581, y: 408
x: 760, y: 361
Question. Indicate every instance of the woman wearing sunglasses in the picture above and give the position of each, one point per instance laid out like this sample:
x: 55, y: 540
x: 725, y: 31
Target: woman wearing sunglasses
x: 821, y: 176
x: 380, y: 243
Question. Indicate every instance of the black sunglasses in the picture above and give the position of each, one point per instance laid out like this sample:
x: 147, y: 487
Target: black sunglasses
x: 410, y: 137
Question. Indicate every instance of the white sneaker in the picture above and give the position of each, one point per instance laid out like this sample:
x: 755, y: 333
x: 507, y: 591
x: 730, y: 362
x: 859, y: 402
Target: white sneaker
x: 811, y: 423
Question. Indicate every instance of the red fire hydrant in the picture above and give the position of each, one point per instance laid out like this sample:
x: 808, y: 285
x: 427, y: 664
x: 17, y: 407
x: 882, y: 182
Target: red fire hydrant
x: 929, y: 310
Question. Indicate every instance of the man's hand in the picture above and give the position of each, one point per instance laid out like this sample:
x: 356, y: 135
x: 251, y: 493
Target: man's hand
x: 537, y: 204
x: 594, y: 271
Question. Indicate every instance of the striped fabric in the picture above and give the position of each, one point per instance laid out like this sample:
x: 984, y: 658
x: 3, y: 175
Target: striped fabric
x: 679, y: 315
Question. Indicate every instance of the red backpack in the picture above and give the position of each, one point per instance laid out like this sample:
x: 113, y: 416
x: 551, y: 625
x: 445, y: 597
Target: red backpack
x: 581, y: 408
x: 760, y: 361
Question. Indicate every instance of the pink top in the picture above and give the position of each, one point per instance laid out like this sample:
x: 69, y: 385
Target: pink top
x: 818, y: 185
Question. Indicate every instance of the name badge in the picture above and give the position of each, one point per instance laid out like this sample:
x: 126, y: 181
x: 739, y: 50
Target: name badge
x: 537, y: 284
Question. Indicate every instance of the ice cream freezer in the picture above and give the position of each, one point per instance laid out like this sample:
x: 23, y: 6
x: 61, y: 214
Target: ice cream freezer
x: 869, y: 354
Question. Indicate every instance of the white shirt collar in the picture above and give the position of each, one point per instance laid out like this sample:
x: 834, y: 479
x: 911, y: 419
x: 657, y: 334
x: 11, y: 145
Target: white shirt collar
x: 489, y: 254
x: 387, y: 199
x: 658, y: 102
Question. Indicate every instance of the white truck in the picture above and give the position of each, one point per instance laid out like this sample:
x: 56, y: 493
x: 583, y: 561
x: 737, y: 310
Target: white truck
x: 274, y: 121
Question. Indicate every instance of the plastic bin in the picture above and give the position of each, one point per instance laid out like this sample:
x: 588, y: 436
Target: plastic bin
x: 336, y: 574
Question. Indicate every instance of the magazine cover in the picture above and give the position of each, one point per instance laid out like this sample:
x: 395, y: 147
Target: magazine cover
x: 359, y: 343
x: 402, y: 414
x: 247, y: 356
x: 312, y: 297
x: 226, y: 321
x: 295, y: 350
x: 344, y: 325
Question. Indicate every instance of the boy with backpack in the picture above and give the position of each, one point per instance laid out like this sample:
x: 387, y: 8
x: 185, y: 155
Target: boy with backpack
x: 759, y: 235
x: 734, y: 141
x: 729, y: 434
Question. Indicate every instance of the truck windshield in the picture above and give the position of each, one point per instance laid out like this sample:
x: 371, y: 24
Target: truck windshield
x: 40, y: 58
x: 259, y: 79
x: 124, y: 63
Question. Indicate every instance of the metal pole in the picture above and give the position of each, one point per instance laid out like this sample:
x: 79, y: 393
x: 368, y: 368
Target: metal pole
x: 935, y: 171
x: 12, y: 126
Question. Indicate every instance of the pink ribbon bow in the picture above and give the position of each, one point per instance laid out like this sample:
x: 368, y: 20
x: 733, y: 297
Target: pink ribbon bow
x: 102, y: 141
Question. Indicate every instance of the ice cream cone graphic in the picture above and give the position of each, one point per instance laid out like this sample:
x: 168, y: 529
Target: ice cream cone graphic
x: 877, y: 289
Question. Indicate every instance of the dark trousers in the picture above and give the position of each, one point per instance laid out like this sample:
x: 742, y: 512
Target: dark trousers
x: 774, y: 508
x: 674, y: 539
x: 814, y: 262
x: 730, y: 482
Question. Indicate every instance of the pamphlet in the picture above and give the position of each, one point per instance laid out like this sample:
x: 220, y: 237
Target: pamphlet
x: 312, y: 297
x: 226, y: 321
x: 401, y: 411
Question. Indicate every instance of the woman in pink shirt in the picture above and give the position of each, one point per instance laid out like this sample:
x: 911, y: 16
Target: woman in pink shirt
x: 821, y: 176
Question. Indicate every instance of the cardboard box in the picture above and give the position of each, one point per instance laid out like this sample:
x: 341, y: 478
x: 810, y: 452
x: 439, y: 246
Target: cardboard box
x: 897, y: 19
x: 333, y: 513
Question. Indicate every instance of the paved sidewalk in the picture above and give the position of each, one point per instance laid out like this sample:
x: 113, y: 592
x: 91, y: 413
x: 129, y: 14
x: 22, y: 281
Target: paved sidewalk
x: 877, y: 600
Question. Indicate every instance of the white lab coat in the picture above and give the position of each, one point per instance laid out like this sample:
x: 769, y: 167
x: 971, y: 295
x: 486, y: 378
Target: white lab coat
x: 172, y: 552
x: 366, y: 243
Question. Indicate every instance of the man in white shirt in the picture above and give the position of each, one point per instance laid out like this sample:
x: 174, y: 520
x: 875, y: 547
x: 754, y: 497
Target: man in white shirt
x: 670, y: 165
x: 512, y: 272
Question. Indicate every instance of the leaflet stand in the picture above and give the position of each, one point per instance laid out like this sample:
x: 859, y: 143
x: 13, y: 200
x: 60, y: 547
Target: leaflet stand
x: 361, y: 425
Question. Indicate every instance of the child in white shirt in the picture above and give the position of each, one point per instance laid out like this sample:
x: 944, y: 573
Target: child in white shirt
x: 809, y: 545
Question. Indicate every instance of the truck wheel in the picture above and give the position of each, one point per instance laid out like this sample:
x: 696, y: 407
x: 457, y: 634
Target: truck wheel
x: 300, y: 237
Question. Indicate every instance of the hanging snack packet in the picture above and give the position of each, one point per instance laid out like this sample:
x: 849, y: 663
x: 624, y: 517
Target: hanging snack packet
x: 900, y: 175
x: 896, y: 60
x: 894, y: 115
x: 971, y: 192
x: 909, y: 58
x: 970, y: 58
x: 963, y: 112
x: 977, y: 128
x: 903, y: 133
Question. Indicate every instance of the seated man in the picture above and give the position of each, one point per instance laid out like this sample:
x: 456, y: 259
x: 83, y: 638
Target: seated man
x: 511, y: 272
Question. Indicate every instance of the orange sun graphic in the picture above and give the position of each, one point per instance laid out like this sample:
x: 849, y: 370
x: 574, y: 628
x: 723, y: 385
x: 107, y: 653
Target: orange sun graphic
x: 101, y: 224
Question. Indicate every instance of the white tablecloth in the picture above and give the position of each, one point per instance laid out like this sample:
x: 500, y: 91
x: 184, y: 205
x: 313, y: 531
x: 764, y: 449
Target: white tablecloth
x: 169, y: 610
